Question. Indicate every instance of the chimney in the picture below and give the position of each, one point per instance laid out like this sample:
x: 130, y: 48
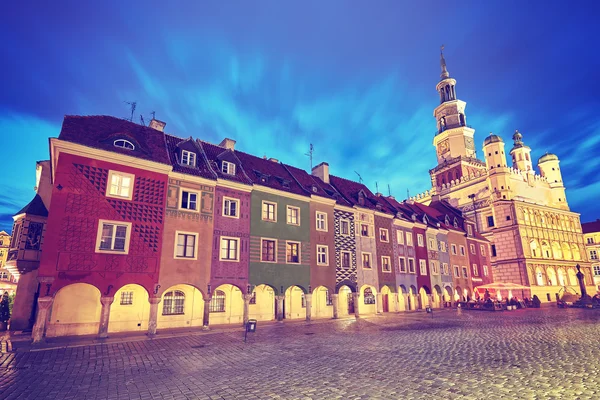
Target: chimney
x: 273, y: 160
x: 321, y: 171
x: 228, y: 144
x: 158, y: 125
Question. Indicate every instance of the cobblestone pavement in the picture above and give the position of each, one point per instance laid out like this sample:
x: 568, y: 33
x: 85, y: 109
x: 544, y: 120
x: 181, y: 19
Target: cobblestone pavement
x: 525, y: 354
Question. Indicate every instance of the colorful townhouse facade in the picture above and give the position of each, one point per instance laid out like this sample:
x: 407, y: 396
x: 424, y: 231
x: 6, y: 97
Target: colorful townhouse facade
x: 151, y: 231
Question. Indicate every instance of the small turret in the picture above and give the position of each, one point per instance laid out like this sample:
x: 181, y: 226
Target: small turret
x: 521, y: 154
x: 493, y: 149
x: 549, y: 169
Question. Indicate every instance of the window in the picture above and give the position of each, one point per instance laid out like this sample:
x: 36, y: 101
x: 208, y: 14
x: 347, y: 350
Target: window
x: 462, y: 250
x: 490, y: 221
x: 482, y: 249
x: 485, y: 270
x: 364, y: 230
x: 446, y: 269
x: 470, y: 230
x: 590, y: 240
x: 453, y: 247
x: 493, y: 250
x: 269, y: 211
x: 293, y: 215
x: 126, y: 298
x: 422, y: 267
x: 229, y: 249
x: 597, y: 270
x: 432, y: 245
x: 231, y: 207
x: 292, y: 252
x: 433, y: 266
x: 328, y: 299
x: 345, y: 256
x: 400, y: 237
x: 188, y: 158
x: 369, y: 296
x: 456, y: 271
x: 120, y: 185
x: 173, y: 302
x: 475, y: 270
x: 472, y: 248
x: 321, y: 221
x: 402, y: 264
x: 593, y: 255
x: 465, y: 272
x: 409, y: 238
x: 113, y: 236
x: 269, y: 253
x: 217, y: 302
x: 186, y: 245
x: 189, y: 200
x: 228, y: 168
x: 443, y: 246
x: 383, y: 235
x: 411, y: 265
x: 322, y: 255
x: 385, y: 264
x: 420, y: 240
x: 366, y: 260
x: 345, y: 227
x: 124, y: 144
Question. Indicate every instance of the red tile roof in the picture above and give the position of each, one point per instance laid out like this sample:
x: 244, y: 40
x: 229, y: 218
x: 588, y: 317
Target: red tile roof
x: 100, y: 132
x: 590, y: 227
x: 201, y: 168
x: 315, y: 185
x: 351, y: 192
x: 215, y: 154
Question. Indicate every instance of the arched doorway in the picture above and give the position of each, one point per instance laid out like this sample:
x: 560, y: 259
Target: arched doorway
x: 130, y: 310
x: 447, y: 296
x: 295, y: 303
x: 75, y: 311
x: 466, y: 294
x: 403, y: 300
x: 437, y: 297
x: 367, y: 303
x: 458, y: 294
x: 413, y: 298
x: 262, y: 303
x: 322, y: 306
x: 226, y: 305
x: 181, y: 306
x: 387, y: 300
x: 424, y: 293
x: 345, y: 301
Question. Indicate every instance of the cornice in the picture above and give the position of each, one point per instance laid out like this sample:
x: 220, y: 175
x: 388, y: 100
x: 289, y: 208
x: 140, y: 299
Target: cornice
x: 191, y: 178
x: 281, y: 193
x: 234, y: 185
x: 322, y: 200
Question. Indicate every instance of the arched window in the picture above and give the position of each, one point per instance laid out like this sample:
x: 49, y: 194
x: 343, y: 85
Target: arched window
x: 546, y: 253
x: 551, y: 276
x: 217, y: 303
x: 561, y: 277
x: 535, y: 251
x: 539, y: 277
x: 556, y: 251
x: 566, y: 251
x: 124, y: 144
x: 575, y: 251
x: 173, y: 302
x: 369, y: 296
x: 572, y: 277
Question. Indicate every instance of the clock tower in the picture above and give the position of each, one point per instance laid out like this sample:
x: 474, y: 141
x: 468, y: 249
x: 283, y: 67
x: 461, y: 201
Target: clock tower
x: 453, y: 139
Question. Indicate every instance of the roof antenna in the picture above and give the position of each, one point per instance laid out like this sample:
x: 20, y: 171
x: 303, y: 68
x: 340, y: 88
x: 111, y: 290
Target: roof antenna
x: 376, y: 187
x: 309, y: 154
x: 407, y: 194
x: 359, y: 177
x: 142, y: 120
x: 132, y: 104
x: 153, y: 114
x: 389, y: 190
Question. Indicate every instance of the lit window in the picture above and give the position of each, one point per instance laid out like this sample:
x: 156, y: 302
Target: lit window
x: 432, y: 244
x: 293, y: 215
x: 402, y: 264
x: 217, y: 302
x: 385, y: 264
x: 422, y: 267
x: 292, y: 252
x: 228, y: 168
x: 369, y: 296
x: 269, y: 250
x: 446, y: 269
x: 366, y: 260
x: 411, y: 265
x: 189, y: 200
x: 173, y: 303
x: 443, y: 246
x: 409, y: 238
x: 345, y: 227
x: 120, y: 185
x: 126, y: 298
x: 383, y: 235
x: 400, y: 237
x: 231, y: 207
x: 345, y: 255
x: 188, y: 158
x: 113, y: 236
x: 269, y: 211
x: 186, y: 245
x: 321, y: 221
x: 420, y: 240
x: 322, y: 255
x: 124, y: 144
x: 229, y: 249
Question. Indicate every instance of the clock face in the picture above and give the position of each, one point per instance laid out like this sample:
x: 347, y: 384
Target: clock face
x: 469, y: 143
x: 443, y: 147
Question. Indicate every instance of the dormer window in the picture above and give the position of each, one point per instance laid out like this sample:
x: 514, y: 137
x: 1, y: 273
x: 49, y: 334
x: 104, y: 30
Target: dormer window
x: 455, y: 223
x: 188, y: 158
x: 314, y: 189
x: 228, y: 168
x: 425, y: 219
x: 124, y: 144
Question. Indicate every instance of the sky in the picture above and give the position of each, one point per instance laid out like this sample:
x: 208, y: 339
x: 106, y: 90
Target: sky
x: 355, y: 79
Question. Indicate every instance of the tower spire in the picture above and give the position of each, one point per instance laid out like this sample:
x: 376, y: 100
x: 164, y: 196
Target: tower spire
x: 445, y: 74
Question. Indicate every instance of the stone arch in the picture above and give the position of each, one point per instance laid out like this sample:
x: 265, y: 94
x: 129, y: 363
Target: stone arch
x: 181, y: 306
x: 368, y: 300
x: 566, y: 250
x: 551, y: 276
x: 575, y: 252
x: 229, y: 308
x: 322, y: 303
x: 556, y: 251
x: 262, y: 303
x: 388, y: 299
x: 437, y: 297
x: 458, y: 294
x: 130, y: 309
x: 561, y: 277
x: 424, y: 300
x: 546, y: 250
x: 534, y: 247
x: 572, y: 277
x: 295, y: 303
x: 346, y: 302
x: 349, y: 284
x: 539, y: 277
x: 448, y: 295
x: 75, y: 311
x: 403, y: 301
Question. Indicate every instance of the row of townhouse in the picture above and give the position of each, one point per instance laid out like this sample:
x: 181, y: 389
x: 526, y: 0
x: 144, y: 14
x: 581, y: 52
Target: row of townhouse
x: 136, y: 229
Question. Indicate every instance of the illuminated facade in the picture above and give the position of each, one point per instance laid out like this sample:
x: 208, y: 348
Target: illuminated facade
x: 537, y: 240
x: 591, y: 236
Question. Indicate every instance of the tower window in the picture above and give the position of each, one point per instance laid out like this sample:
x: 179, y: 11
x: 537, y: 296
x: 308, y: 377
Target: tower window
x: 490, y: 221
x: 496, y: 152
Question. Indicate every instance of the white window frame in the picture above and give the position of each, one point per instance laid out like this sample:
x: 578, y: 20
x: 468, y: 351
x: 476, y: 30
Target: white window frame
x: 387, y: 235
x: 369, y: 230
x: 409, y: 263
x: 288, y: 242
x: 342, y: 220
x: 472, y: 248
x: 456, y: 269
x: 420, y: 240
x: 362, y: 260
x: 323, y: 219
x: 475, y: 270
x: 237, y: 207
x: 195, y: 234
x: 112, y: 173
x: 462, y: 250
x: 485, y: 270
x: 325, y: 252
x: 274, y: 250
x: 453, y: 249
x: 593, y: 255
x: 482, y: 249
x: 191, y: 158
x: 596, y: 269
x: 422, y: 267
x: 227, y: 167
x: 433, y: 268
x: 389, y: 263
x: 469, y: 230
x: 287, y: 215
x: 237, y: 255
x: 125, y: 142
x: 402, y: 262
x: 465, y: 271
x: 190, y: 191
x: 443, y: 246
x: 400, y: 237
x: 445, y: 269
x: 409, y: 239
x: 101, y: 223
x: 342, y: 259
x: 262, y: 211
x: 432, y: 244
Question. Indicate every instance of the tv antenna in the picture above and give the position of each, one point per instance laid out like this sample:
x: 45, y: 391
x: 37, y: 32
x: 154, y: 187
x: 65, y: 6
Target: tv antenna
x: 407, y: 194
x: 142, y: 120
x: 376, y: 187
x: 132, y: 104
x: 153, y: 114
x: 359, y: 177
x: 310, y: 154
x: 389, y: 190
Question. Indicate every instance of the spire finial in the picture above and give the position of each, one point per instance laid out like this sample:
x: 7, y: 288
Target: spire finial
x: 518, y: 138
x: 445, y: 73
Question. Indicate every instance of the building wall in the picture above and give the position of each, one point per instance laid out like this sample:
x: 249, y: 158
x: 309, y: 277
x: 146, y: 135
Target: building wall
x: 458, y: 238
x: 404, y: 280
x: 322, y: 275
x: 345, y: 276
x: 385, y: 249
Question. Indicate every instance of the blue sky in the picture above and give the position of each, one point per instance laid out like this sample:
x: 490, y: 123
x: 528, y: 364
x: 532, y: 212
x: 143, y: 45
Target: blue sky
x: 355, y: 79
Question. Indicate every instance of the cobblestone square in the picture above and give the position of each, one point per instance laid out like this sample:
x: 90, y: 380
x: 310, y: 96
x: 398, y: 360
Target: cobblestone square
x: 525, y: 354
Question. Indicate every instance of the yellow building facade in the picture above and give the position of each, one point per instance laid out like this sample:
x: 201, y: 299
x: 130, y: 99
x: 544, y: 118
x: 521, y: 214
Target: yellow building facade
x: 591, y: 236
x: 537, y: 241
x: 8, y: 281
